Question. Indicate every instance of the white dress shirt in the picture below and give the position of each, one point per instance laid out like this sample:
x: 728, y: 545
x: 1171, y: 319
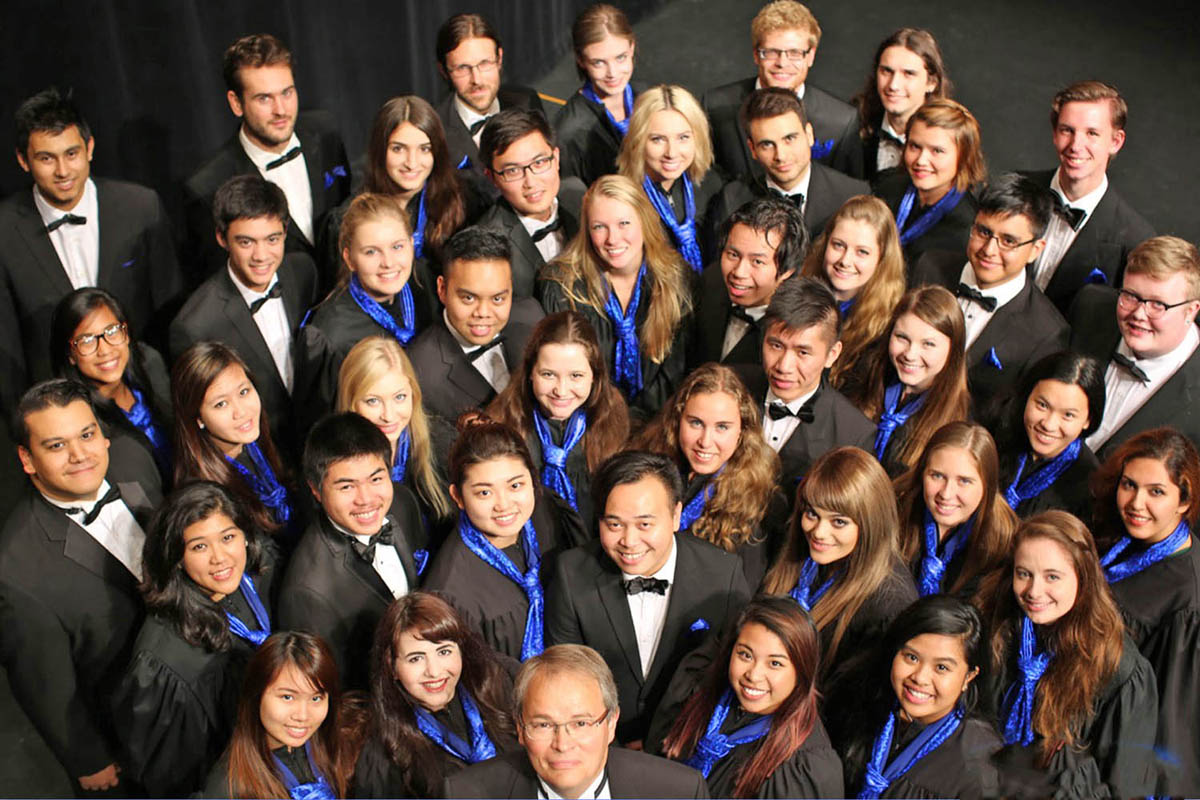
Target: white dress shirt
x: 470, y: 116
x: 114, y: 528
x: 490, y: 365
x: 292, y: 177
x: 736, y: 328
x: 272, y: 323
x: 649, y: 610
x: 551, y: 244
x: 778, y: 431
x: 386, y: 562
x: 77, y: 246
x: 889, y: 154
x: 594, y: 789
x: 1059, y: 234
x: 975, y: 316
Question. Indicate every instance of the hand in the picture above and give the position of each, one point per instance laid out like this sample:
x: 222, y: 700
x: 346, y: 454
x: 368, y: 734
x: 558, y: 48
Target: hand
x: 638, y: 745
x: 104, y: 779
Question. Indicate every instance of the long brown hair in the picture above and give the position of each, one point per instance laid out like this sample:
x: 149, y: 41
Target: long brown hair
x: 915, y: 40
x: 952, y: 116
x: 595, y: 24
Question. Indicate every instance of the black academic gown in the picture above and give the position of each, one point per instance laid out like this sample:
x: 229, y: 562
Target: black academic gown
x: 813, y: 770
x: 703, y: 194
x: 441, y: 437
x: 588, y: 143
x: 217, y: 784
x: 951, y: 232
x: 158, y: 396
x: 1069, y: 493
x: 759, y: 551
x: 580, y: 520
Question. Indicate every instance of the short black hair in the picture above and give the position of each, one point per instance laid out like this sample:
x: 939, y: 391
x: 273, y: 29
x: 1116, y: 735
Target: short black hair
x: 476, y: 243
x: 799, y: 303
x: 1012, y: 193
x: 630, y: 466
x: 506, y: 127
x: 338, y: 437
x: 49, y: 110
x: 774, y: 215
x: 247, y: 197
x: 54, y: 393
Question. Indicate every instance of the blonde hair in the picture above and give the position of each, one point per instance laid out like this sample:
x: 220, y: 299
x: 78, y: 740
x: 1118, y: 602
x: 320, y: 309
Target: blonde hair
x: 365, y: 208
x: 952, y: 116
x: 1160, y: 257
x: 784, y: 15
x: 631, y: 161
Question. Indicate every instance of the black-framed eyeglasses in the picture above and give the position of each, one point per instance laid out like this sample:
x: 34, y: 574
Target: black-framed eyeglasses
x: 775, y: 54
x: 515, y: 172
x: 116, y: 334
x: 485, y: 67
x: 544, y: 730
x: 1004, y: 241
x: 1128, y: 301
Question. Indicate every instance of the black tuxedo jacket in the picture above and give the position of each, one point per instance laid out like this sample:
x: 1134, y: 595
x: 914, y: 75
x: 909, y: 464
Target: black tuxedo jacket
x: 835, y: 126
x: 69, y: 615
x: 328, y: 178
x: 951, y: 231
x: 710, y: 319
x: 587, y: 141
x: 137, y: 265
x: 1113, y: 230
x: 587, y: 605
x: 526, y: 260
x: 458, y: 137
x: 329, y: 590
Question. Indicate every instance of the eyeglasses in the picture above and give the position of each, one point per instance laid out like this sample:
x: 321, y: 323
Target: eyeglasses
x: 773, y: 54
x: 1128, y: 301
x: 515, y: 172
x: 485, y: 67
x: 1005, y: 241
x: 543, y: 730
x: 116, y: 335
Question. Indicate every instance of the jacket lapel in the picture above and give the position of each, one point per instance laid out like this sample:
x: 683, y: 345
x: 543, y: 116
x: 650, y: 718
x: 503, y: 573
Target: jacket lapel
x: 460, y: 371
x: 29, y: 224
x: 80, y: 547
x: 679, y: 607
x: 994, y: 333
x: 616, y: 608
x: 238, y: 314
x: 341, y: 550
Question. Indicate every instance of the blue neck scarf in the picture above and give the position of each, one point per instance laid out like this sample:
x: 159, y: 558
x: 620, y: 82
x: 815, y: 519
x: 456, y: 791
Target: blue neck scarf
x: 400, y: 463
x: 480, y: 748
x: 881, y: 772
x: 139, y: 416
x: 1040, y: 479
x: 418, y: 234
x: 627, y: 360
x: 933, y: 567
x: 930, y: 218
x: 622, y: 126
x: 846, y: 306
x: 317, y: 790
x: 1119, y: 570
x: 803, y: 593
x: 714, y: 745
x: 554, y: 469
x: 1018, y: 700
x: 892, y: 418
x: 265, y: 485
x: 684, y: 233
x: 238, y: 628
x: 695, y: 507
x: 380, y: 316
x: 530, y: 582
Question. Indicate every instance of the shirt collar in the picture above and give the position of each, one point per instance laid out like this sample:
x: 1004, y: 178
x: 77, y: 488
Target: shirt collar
x: 470, y: 116
x: 589, y: 792
x: 86, y: 207
x: 799, y: 90
x: 666, y: 571
x: 886, y: 127
x: 799, y: 188
x: 249, y: 295
x: 86, y: 505
x: 793, y: 406
x: 261, y: 157
x: 1166, y: 364
x: 1004, y: 293
x: 1088, y: 202
x: 463, y: 343
x: 532, y: 225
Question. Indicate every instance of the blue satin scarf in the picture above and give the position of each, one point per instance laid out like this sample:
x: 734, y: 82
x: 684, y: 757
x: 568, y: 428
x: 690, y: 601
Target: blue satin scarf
x: 930, y: 218
x: 1042, y: 478
x: 622, y: 126
x: 881, y: 772
x: 530, y: 582
x: 264, y: 484
x: 627, y: 360
x: 1119, y: 570
x: 892, y: 418
x: 380, y: 316
x: 714, y: 745
x: 317, y: 790
x: 802, y: 593
x: 684, y: 233
x: 554, y: 469
x: 139, y: 416
x: 480, y: 748
x: 239, y: 628
x: 400, y: 463
x: 1018, y: 700
x: 933, y: 566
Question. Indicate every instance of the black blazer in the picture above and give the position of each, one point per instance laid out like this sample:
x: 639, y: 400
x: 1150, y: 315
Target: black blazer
x: 587, y: 605
x: 950, y: 233
x: 588, y: 143
x: 709, y: 321
x: 458, y: 137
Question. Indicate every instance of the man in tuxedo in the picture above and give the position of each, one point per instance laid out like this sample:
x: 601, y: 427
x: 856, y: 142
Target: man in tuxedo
x: 257, y: 302
x: 785, y: 36
x: 1010, y: 323
x: 643, y: 595
x: 1090, y: 237
x: 355, y: 558
x: 68, y: 231
x: 567, y: 711
x: 1153, y: 374
x: 302, y: 154
x: 537, y: 211
x: 70, y: 563
x: 465, y: 359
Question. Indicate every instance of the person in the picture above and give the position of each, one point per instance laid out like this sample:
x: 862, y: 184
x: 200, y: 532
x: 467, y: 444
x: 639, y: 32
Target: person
x: 466, y: 360
x: 91, y: 342
x: 784, y: 35
x: 932, y: 196
x: 762, y: 246
x: 751, y: 726
x: 955, y: 524
x: 1150, y: 354
x: 858, y: 257
x: 1010, y: 324
x: 50, y: 241
x: 908, y: 69
x: 365, y: 548
x: 595, y: 119
x: 1090, y: 238
x: 711, y: 429
x: 623, y: 275
x: 668, y: 153
x: 208, y: 592
x: 70, y: 563
x: 1146, y: 511
x: 921, y: 729
x: 470, y: 58
x: 571, y: 416
x: 286, y: 740
x: 439, y: 701
x: 537, y: 211
x: 645, y: 594
x: 256, y: 304
x: 1078, y: 703
x: 1044, y: 460
x: 916, y: 378
x: 301, y: 154
x: 508, y: 542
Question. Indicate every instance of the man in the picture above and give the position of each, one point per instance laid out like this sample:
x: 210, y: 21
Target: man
x: 1090, y: 239
x: 465, y: 359
x: 256, y: 304
x: 566, y: 715
x: 304, y: 156
x: 1010, y: 323
x: 471, y: 59
x: 785, y: 36
x: 1153, y: 374
x: 803, y: 416
x: 537, y: 212
x: 70, y: 563
x: 643, y: 595
x: 355, y: 558
x: 764, y: 246
x: 70, y: 231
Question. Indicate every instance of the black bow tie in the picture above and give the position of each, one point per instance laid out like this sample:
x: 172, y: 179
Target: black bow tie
x: 272, y: 293
x: 1126, y: 363
x: 477, y: 125
x: 639, y: 584
x: 66, y: 219
x: 542, y: 233
x: 475, y: 354
x: 796, y: 199
x: 111, y: 496
x: 1073, y: 216
x: 739, y: 312
x: 888, y: 136
x: 976, y: 296
x: 777, y: 411
x: 367, y: 551
x: 285, y: 158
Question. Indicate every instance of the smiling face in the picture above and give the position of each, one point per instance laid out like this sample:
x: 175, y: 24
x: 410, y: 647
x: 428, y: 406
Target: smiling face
x: 268, y: 105
x: 670, y: 146
x: 748, y: 265
x: 616, y: 234
x: 851, y: 257
x: 918, y: 351
x: 381, y: 255
x: 356, y: 493
x: 1044, y: 580
x: 638, y: 524
x: 533, y: 195
x: 214, y: 555
x: 1149, y: 338
x: 409, y: 159
x: 953, y: 487
x: 1056, y: 413
x: 1150, y: 502
x: 291, y: 709
x: 784, y: 72
x: 793, y: 359
x: 256, y: 248
x: 608, y: 64
x: 477, y: 85
x: 929, y: 674
x: 710, y: 429
x: 59, y: 164
x: 568, y: 763
x: 230, y: 410
x: 388, y: 402
x: 831, y: 535
x: 561, y: 379
x: 106, y: 366
x: 428, y: 671
x: 931, y: 158
x: 67, y: 457
x: 478, y: 299
x: 498, y: 497
x: 1086, y: 141
x: 993, y: 265
x: 903, y: 83
x: 783, y: 145
x: 760, y: 671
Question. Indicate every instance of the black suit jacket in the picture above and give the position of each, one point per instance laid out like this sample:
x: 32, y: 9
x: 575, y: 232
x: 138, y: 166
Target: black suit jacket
x: 710, y: 319
x: 1113, y: 230
x: 949, y: 233
x: 527, y: 262
x: 587, y: 605
x: 458, y: 137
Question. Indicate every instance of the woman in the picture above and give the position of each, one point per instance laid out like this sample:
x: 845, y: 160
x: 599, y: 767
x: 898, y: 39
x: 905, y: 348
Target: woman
x: 859, y: 257
x: 921, y: 731
x: 569, y: 413
x: 752, y: 726
x: 622, y: 274
x: 956, y: 526
x: 712, y: 429
x: 668, y: 152
x: 207, y: 586
x: 90, y: 341
x: 1076, y: 699
x: 439, y: 701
